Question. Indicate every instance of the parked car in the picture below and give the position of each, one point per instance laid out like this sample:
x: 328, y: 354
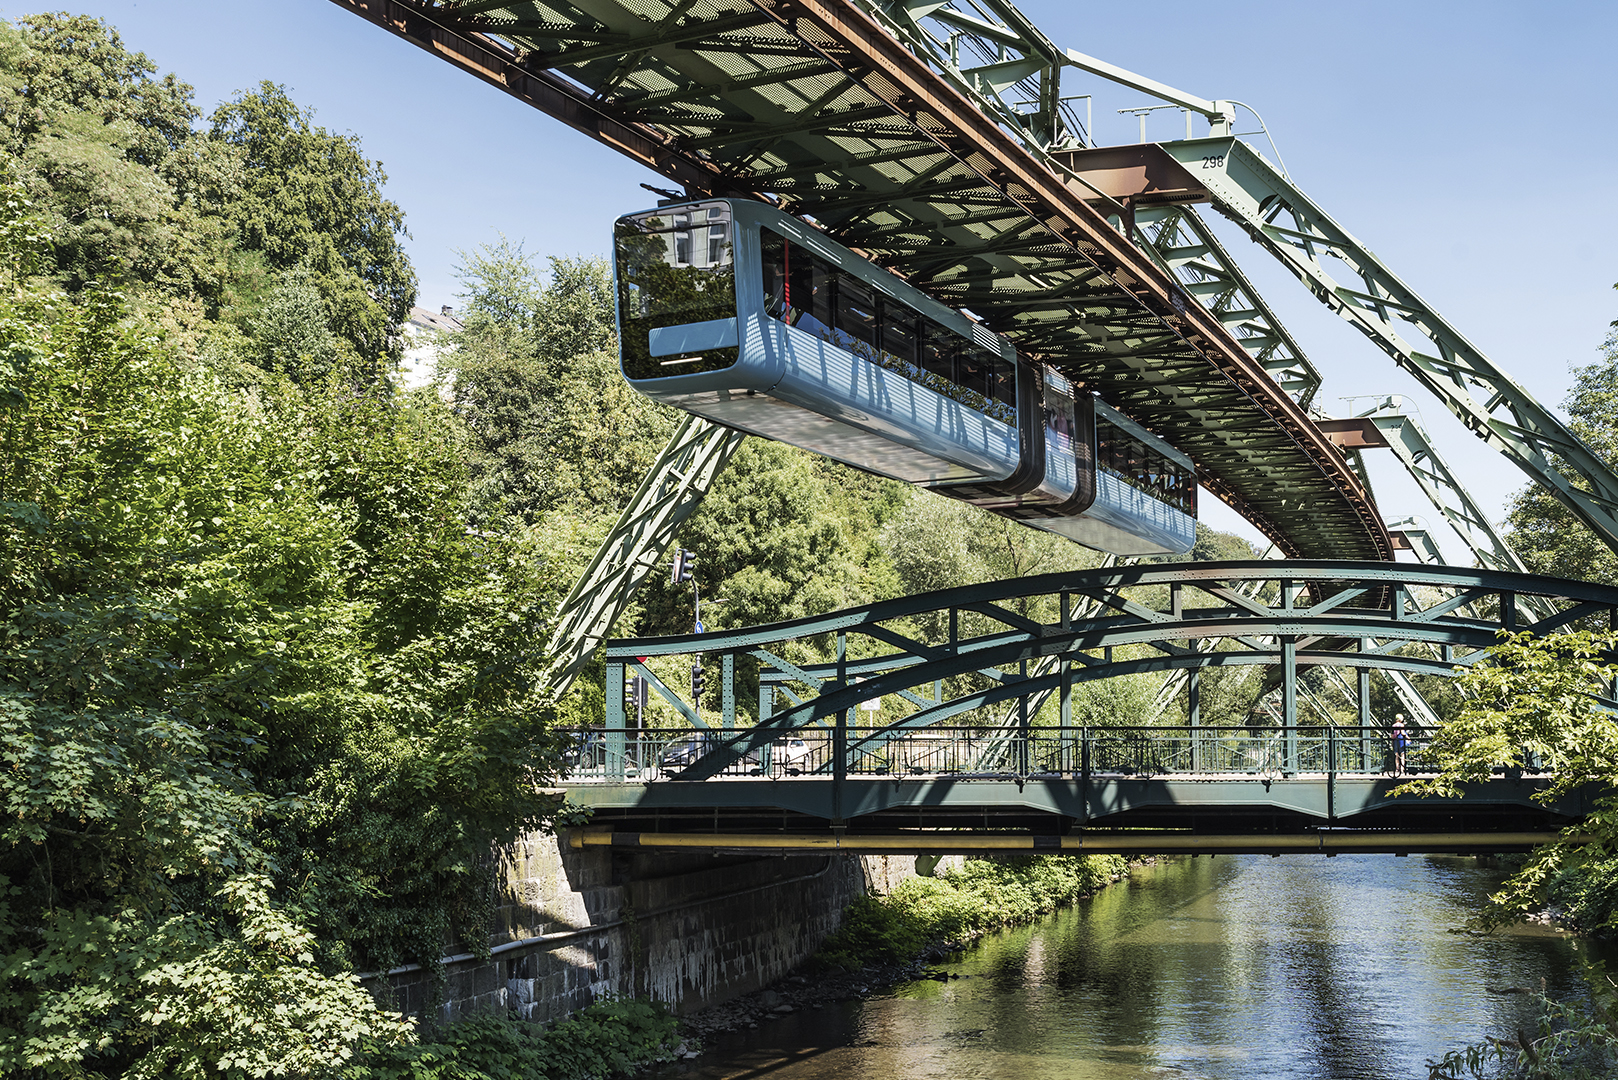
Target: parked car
x: 789, y: 756
x: 584, y: 749
x: 786, y: 756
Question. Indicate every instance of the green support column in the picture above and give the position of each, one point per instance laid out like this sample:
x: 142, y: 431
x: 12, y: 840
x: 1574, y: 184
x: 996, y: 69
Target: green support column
x: 839, y: 740
x: 1024, y: 752
x: 1065, y: 712
x: 1084, y: 771
x: 727, y: 689
x: 1367, y: 737
x: 1193, y: 710
x: 1289, y: 701
x: 1331, y: 773
x: 615, y: 720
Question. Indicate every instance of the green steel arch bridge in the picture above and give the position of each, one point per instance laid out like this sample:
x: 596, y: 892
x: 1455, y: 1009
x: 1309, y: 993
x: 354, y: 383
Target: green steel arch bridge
x: 936, y: 138
x: 946, y: 720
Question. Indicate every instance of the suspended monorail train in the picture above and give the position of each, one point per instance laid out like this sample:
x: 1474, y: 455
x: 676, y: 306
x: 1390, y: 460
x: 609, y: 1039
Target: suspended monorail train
x: 740, y: 313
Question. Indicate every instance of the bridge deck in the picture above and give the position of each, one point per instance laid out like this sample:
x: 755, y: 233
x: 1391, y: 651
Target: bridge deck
x: 1120, y: 812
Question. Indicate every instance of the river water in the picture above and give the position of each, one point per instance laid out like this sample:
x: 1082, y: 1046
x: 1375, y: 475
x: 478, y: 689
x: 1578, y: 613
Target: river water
x: 1214, y: 968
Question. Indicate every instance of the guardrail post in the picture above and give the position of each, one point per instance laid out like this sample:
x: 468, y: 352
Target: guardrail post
x: 1024, y: 751
x: 1084, y: 771
x: 1193, y: 708
x: 615, y: 722
x: 1331, y: 773
x: 1289, y: 701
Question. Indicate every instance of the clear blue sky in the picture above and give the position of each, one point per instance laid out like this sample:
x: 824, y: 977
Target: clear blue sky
x: 1472, y: 145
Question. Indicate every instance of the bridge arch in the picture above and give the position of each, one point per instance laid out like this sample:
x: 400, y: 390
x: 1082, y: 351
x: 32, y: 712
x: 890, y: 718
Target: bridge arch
x: 1296, y: 784
x: 1294, y: 615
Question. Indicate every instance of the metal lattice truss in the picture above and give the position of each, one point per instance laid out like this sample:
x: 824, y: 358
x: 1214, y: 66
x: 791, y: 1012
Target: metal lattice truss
x: 1319, y: 614
x: 1371, y: 298
x: 674, y: 487
x: 899, y: 129
x: 1183, y: 241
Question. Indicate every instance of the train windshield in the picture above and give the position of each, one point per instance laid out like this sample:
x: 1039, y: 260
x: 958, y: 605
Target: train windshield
x: 675, y: 267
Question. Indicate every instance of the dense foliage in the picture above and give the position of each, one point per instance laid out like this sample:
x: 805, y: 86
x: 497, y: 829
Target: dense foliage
x: 267, y: 696
x: 207, y: 226
x: 1544, y: 532
x: 609, y: 1038
x: 1535, y: 707
x: 961, y: 905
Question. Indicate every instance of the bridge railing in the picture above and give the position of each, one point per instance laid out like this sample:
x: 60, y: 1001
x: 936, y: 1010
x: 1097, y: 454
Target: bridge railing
x: 598, y: 754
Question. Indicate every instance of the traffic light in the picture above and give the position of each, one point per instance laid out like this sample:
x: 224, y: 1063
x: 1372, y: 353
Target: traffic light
x: 684, y: 561
x: 635, y: 691
x: 696, y: 682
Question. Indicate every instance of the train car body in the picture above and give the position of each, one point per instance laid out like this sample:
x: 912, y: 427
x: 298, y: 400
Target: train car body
x: 751, y: 318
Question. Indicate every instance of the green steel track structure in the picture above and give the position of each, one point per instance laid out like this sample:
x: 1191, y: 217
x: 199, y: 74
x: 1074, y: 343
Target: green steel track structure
x: 672, y: 490
x: 1284, y: 221
x: 898, y: 130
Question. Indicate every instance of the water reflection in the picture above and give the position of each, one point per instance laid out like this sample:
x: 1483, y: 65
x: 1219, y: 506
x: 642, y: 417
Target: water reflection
x: 1205, y: 968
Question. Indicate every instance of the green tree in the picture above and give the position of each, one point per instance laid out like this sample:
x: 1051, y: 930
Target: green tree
x: 767, y: 545
x: 1535, y: 705
x: 106, y: 152
x: 309, y: 198
x: 939, y: 543
x: 138, y: 922
x: 535, y: 379
x: 1544, y: 532
x: 68, y: 64
x: 290, y: 335
x: 267, y: 699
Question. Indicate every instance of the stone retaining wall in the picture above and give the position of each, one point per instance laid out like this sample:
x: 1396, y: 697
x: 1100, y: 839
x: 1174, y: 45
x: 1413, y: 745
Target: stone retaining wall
x: 686, y: 929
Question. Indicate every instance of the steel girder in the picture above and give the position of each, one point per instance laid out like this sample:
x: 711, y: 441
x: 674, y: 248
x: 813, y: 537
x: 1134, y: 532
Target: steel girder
x: 674, y: 487
x: 1078, y: 810
x: 1187, y: 247
x: 1411, y: 445
x: 838, y: 111
x: 1314, y: 617
x: 1293, y: 228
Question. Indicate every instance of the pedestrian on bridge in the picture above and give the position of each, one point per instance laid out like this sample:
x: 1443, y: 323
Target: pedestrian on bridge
x: 1400, y: 744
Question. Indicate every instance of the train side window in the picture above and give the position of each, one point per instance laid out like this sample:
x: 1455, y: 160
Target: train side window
x: 822, y: 280
x: 975, y: 371
x: 1005, y: 381
x: 938, y: 350
x: 899, y: 331
x: 797, y: 284
x: 773, y: 261
x: 856, y: 309
x: 800, y: 275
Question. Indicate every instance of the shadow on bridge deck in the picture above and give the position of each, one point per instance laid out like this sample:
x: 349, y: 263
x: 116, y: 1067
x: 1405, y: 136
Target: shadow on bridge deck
x: 1097, y: 813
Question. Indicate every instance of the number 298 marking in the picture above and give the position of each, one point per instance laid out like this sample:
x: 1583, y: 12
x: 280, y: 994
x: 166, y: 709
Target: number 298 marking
x: 1214, y: 161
